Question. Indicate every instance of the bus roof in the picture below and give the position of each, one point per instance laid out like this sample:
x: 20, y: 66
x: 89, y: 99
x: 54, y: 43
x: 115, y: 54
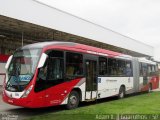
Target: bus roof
x: 86, y: 48
x: 144, y: 60
x: 45, y: 44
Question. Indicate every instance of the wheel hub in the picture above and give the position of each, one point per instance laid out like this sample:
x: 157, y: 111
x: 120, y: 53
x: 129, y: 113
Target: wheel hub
x: 121, y: 94
x: 73, y: 100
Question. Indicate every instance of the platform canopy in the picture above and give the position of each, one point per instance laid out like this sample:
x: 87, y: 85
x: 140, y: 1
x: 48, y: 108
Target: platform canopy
x: 29, y: 21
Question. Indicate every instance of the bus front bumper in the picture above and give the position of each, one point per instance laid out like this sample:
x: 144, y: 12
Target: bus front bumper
x: 23, y: 102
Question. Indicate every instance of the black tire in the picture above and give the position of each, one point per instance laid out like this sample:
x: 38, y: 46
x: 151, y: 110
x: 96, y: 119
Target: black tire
x: 150, y: 88
x: 121, y: 92
x: 73, y: 100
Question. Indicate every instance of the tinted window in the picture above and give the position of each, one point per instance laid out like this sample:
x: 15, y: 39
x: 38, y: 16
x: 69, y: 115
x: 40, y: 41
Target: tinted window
x: 74, y: 65
x: 102, y: 66
x: 152, y: 70
x: 53, y: 71
x: 55, y: 66
x: 128, y: 69
x: 144, y: 69
x: 144, y: 73
x: 119, y: 67
x: 112, y: 66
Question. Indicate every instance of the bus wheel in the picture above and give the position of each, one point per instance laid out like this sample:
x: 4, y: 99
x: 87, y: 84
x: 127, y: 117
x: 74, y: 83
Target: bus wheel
x: 121, y: 92
x: 150, y: 88
x: 73, y: 100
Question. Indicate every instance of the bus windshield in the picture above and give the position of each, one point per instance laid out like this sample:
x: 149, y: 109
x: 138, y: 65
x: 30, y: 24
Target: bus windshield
x: 22, y: 68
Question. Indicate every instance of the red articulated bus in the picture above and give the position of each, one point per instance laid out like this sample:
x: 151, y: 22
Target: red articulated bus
x: 56, y: 73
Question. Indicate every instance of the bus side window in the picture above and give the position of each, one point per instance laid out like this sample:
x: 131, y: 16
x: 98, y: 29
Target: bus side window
x: 55, y: 69
x: 112, y: 67
x: 42, y: 73
x: 41, y: 78
x: 55, y: 66
x: 102, y: 66
x: 150, y: 72
x: 128, y: 69
x: 52, y: 73
x: 74, y: 65
x: 120, y: 67
x: 154, y: 70
x: 144, y: 69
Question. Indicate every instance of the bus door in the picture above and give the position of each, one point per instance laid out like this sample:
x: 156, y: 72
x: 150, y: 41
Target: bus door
x: 91, y: 79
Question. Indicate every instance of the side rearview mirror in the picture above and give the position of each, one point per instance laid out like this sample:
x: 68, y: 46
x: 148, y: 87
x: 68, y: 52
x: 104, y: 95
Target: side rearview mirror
x: 8, y: 62
x: 42, y: 60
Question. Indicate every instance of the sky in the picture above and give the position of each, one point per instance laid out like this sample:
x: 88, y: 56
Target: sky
x: 138, y: 19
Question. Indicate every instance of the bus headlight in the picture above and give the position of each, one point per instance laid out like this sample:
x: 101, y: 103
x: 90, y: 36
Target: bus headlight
x: 27, y: 92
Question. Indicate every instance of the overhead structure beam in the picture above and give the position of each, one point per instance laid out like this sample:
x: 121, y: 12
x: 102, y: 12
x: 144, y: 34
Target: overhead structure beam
x: 41, y: 18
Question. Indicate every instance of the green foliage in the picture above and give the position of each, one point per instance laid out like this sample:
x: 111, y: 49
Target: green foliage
x: 140, y: 104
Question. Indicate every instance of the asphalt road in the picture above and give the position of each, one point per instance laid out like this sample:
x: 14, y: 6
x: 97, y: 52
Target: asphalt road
x: 19, y: 113
x: 24, y: 113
